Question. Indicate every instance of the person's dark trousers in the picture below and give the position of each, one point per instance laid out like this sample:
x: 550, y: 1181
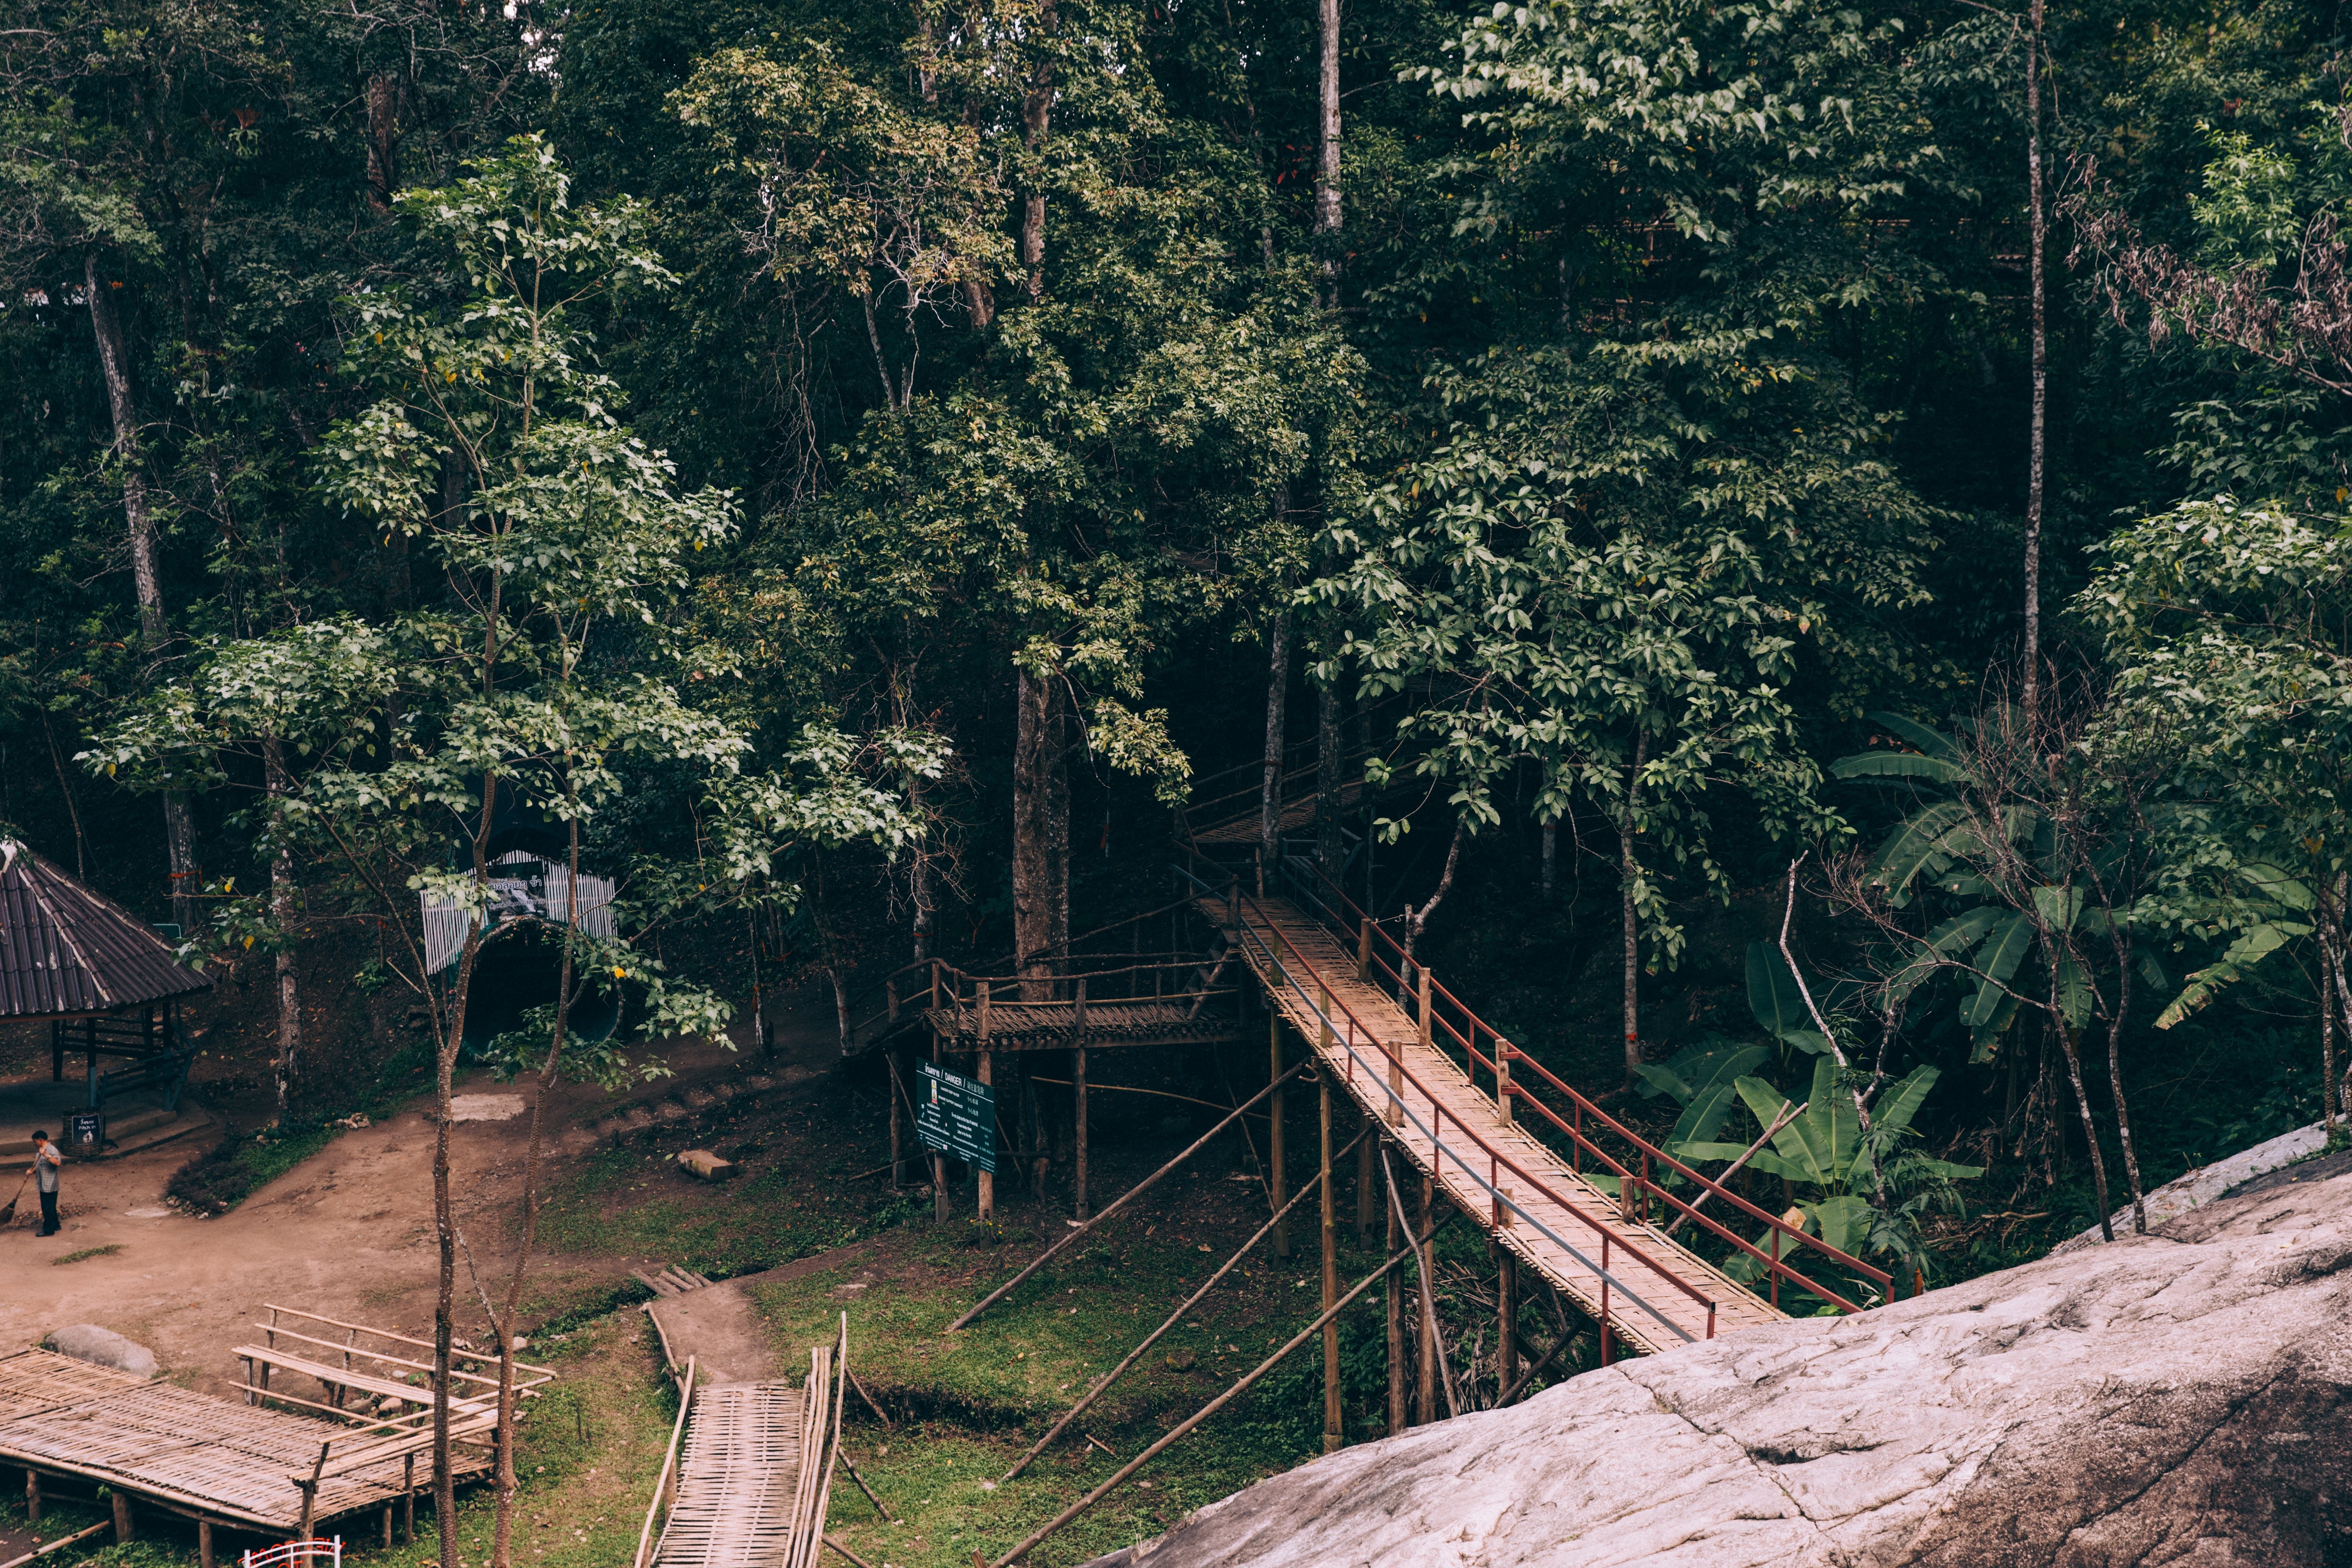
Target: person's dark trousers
x: 50, y: 1214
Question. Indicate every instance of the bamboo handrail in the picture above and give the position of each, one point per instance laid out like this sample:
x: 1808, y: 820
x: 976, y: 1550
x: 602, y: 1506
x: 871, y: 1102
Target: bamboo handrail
x: 387, y: 1334
x: 669, y: 1463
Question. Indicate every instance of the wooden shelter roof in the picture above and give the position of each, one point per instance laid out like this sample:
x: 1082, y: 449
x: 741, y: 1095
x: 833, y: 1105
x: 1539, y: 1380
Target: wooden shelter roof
x: 67, y: 948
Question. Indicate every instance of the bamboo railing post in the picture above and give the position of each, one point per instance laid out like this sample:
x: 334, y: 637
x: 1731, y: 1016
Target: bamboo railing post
x: 1364, y: 951
x: 1333, y: 1434
x: 1503, y: 1048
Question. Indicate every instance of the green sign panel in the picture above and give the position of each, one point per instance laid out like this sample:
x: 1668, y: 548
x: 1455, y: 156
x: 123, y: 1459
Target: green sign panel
x: 956, y: 1116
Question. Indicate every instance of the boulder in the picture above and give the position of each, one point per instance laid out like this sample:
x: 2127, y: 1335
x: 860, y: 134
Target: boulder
x: 88, y: 1342
x: 2176, y: 1398
x: 707, y: 1165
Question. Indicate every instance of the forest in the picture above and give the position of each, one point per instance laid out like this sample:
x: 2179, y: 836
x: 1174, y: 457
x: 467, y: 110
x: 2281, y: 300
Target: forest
x: 1789, y: 544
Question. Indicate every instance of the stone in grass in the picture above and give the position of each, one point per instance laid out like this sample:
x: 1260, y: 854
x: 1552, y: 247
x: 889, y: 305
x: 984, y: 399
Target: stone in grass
x: 707, y: 1165
x: 88, y: 1342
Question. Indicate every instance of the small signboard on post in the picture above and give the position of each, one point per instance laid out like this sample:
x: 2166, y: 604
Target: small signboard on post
x: 956, y: 1116
x: 86, y: 1131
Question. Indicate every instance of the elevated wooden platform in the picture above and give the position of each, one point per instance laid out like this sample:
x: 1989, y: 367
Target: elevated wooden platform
x: 1099, y: 1025
x: 212, y: 1459
x: 1557, y: 1222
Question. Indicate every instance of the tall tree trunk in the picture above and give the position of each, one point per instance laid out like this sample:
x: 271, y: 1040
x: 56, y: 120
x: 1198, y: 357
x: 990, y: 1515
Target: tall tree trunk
x: 2115, y: 1084
x: 179, y: 827
x: 1037, y: 125
x: 1551, y: 857
x: 919, y: 889
x: 1277, y: 691
x: 1326, y: 173
x: 510, y: 1310
x: 2041, y: 367
x: 1040, y: 835
x: 382, y: 137
x: 283, y: 896
x: 1415, y: 918
x: 2089, y: 1127
x: 1628, y: 874
x: 1330, y: 844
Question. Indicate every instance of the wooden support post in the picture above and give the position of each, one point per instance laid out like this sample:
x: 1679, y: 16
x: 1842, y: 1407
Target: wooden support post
x: 32, y: 1495
x: 1366, y: 1193
x: 940, y: 1207
x: 1333, y: 1434
x: 1507, y: 1318
x: 1503, y: 1077
x: 1275, y: 1175
x: 205, y: 1539
x: 988, y: 1076
x: 1079, y: 1117
x: 1400, y: 1413
x: 1364, y: 951
x: 408, y: 1500
x: 897, y: 1119
x: 124, y: 1530
x: 1425, y: 1386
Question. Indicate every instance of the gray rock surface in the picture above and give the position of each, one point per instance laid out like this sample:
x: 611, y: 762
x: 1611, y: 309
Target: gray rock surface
x: 2178, y: 1399
x: 88, y: 1342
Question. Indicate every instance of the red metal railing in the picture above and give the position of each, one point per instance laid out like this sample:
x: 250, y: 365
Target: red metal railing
x: 1353, y: 1035
x: 1379, y: 954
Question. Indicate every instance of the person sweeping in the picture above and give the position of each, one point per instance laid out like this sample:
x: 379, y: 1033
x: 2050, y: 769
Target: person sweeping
x: 46, y: 1160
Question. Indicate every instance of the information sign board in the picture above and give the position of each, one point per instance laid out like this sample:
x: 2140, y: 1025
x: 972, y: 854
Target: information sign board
x: 956, y: 1115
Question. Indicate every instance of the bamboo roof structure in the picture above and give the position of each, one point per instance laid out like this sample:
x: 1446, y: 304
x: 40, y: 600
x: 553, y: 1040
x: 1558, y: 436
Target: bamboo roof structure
x: 68, y: 951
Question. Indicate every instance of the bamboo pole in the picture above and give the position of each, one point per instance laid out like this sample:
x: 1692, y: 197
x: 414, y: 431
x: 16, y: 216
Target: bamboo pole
x: 1079, y: 1117
x: 1155, y: 1336
x: 1399, y: 1415
x: 1121, y: 1201
x: 1248, y: 1379
x: 1432, y: 1343
x: 1507, y: 1318
x: 670, y: 1463
x: 987, y: 1078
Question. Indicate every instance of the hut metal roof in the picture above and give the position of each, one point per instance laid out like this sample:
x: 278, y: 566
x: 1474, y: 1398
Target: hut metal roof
x: 67, y: 948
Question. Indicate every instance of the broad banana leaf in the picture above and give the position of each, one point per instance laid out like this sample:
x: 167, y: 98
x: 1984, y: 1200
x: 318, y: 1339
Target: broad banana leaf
x: 1914, y: 847
x: 1704, y: 1113
x: 1932, y: 742
x: 1772, y: 993
x: 2074, y: 991
x: 1663, y: 1080
x: 2058, y: 907
x: 1963, y: 930
x: 2252, y: 946
x: 1897, y: 1108
x: 1818, y: 1144
x: 1896, y: 765
x: 1982, y: 1041
x: 2275, y: 884
x: 1997, y: 961
x: 1844, y: 1222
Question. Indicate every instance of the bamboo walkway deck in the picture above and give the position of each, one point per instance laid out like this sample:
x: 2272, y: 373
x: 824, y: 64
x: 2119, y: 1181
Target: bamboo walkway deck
x: 1277, y: 934
x: 1061, y: 1026
x: 191, y: 1453
x: 738, y: 1488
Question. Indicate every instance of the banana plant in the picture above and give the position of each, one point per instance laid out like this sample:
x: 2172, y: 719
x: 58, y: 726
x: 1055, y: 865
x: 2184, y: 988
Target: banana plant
x: 1830, y: 1159
x: 1704, y: 1082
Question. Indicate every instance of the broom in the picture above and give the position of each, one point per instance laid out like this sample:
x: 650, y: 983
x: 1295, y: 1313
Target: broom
x: 8, y: 1215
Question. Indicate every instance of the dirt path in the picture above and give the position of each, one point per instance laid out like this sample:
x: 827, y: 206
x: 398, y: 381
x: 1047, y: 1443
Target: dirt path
x: 347, y: 1233
x: 718, y: 1326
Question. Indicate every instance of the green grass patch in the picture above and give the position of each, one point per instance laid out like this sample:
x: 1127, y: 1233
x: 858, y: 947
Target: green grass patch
x: 89, y: 1252
x: 235, y: 1167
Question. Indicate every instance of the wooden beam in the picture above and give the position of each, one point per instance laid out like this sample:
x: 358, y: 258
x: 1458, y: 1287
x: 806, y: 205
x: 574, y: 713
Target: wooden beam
x: 1333, y: 1434
x: 1278, y: 1176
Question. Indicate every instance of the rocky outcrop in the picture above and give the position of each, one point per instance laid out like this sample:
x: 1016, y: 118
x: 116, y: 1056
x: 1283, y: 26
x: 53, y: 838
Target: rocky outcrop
x: 88, y: 1342
x: 2178, y: 1399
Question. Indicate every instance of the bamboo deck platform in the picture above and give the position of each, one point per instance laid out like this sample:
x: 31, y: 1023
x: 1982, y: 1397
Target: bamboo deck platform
x: 1297, y: 816
x: 738, y: 1479
x: 1637, y: 1321
x: 192, y: 1454
x: 1105, y: 1025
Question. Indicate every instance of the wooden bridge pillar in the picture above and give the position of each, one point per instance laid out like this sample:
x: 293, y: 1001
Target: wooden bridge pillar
x: 987, y: 1077
x: 1506, y: 1316
x: 1426, y: 1385
x: 1367, y: 1194
x: 1334, y: 1436
x: 1276, y: 1184
x: 1399, y: 1415
x: 1079, y: 1124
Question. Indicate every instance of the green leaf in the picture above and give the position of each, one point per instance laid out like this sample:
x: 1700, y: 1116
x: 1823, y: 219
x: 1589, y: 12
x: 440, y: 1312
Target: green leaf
x: 1914, y: 847
x: 1932, y: 742
x: 1657, y: 1080
x: 1896, y: 1108
x: 1997, y: 961
x: 1844, y: 1222
x: 2253, y: 946
x: 1772, y: 993
x: 1896, y: 765
x: 2058, y: 907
